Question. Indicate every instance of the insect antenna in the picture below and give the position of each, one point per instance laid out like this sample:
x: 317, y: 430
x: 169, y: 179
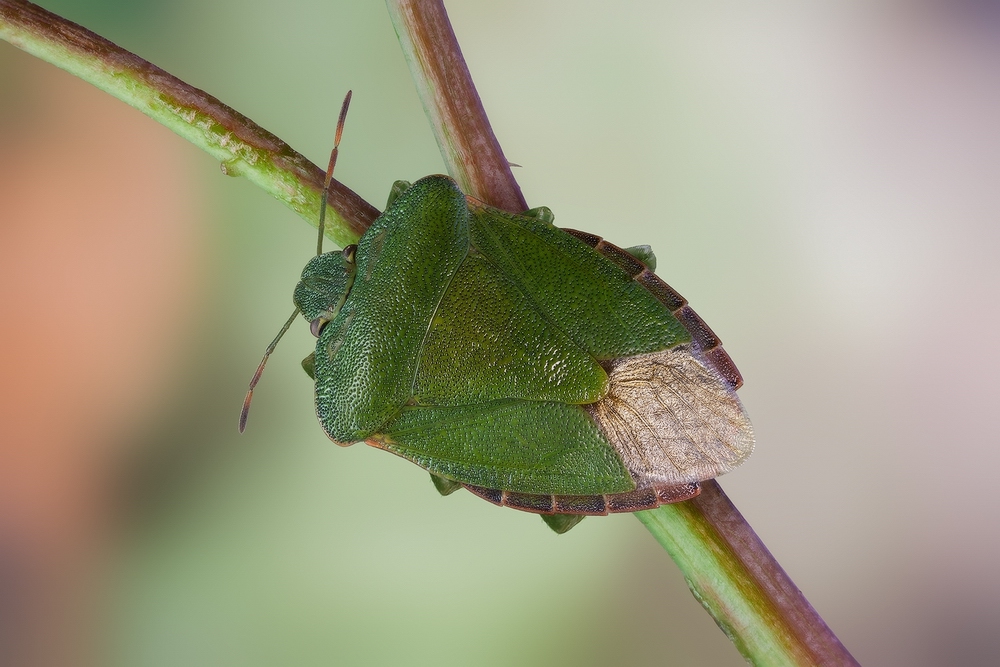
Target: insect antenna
x: 329, y: 171
x: 260, y: 369
x: 319, y: 251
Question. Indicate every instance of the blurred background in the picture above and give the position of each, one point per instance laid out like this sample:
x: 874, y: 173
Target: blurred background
x: 820, y: 180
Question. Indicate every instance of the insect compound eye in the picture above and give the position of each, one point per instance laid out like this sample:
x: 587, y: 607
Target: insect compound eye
x: 316, y: 326
x: 349, y: 252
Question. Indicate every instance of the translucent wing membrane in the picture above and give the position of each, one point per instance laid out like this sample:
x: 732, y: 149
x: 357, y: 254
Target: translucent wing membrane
x: 671, y: 419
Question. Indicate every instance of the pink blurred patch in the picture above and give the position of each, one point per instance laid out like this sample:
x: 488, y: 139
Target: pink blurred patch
x: 99, y: 261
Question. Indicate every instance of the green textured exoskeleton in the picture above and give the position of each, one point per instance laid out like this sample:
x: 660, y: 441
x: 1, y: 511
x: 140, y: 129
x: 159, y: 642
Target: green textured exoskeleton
x: 542, y: 369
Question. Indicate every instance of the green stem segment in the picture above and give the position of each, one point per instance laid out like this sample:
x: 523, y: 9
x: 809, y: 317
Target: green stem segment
x: 243, y: 147
x: 727, y: 567
x: 738, y: 581
x: 470, y: 149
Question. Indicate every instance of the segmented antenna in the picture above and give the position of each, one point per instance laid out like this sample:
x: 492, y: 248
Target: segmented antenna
x: 319, y: 251
x: 260, y: 369
x: 329, y: 171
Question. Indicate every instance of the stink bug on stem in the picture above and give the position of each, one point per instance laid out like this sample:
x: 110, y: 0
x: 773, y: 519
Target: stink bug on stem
x: 542, y: 369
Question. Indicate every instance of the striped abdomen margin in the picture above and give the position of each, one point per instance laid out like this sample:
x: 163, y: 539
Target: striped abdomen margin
x: 630, y: 501
x: 701, y: 334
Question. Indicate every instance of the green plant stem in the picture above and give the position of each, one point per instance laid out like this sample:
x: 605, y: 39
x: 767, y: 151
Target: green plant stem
x: 733, y: 575
x: 727, y: 567
x: 241, y: 146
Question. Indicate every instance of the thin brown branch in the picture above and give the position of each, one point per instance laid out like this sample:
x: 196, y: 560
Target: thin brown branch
x: 468, y: 145
x: 801, y: 620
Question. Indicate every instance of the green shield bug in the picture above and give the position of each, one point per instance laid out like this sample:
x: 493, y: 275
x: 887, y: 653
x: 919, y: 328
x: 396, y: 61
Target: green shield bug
x: 542, y: 369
